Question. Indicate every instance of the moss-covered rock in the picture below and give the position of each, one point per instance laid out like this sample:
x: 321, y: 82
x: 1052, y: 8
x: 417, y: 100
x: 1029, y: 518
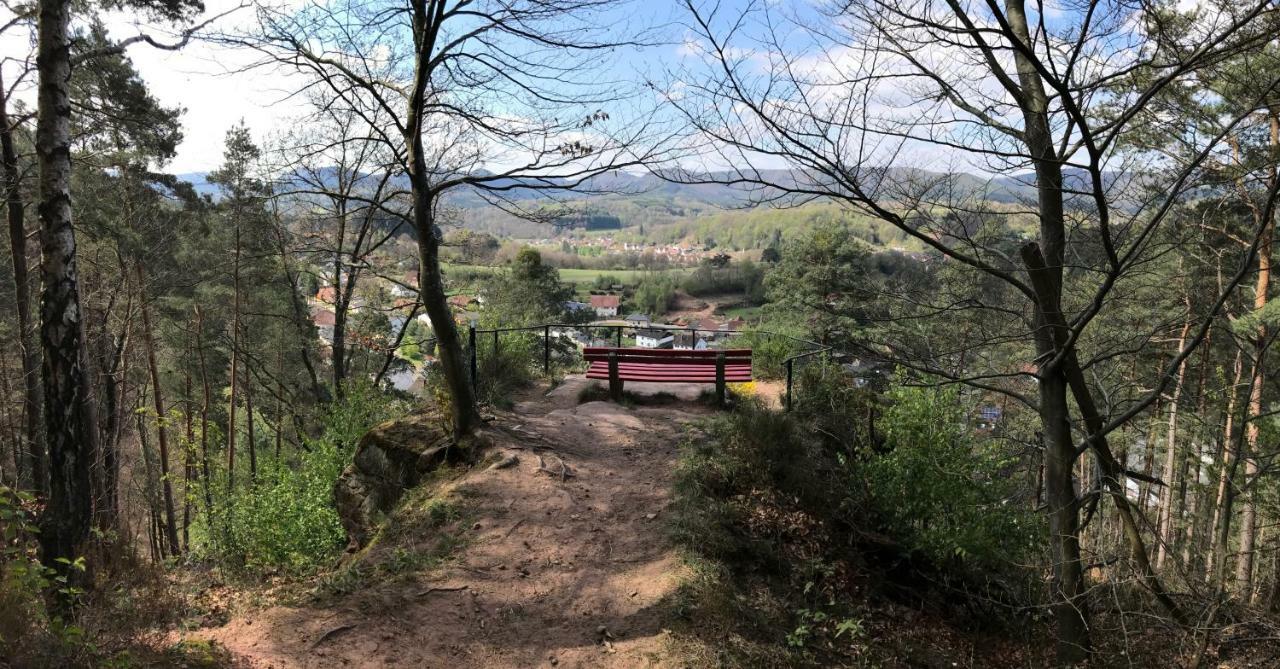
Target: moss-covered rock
x: 390, y: 459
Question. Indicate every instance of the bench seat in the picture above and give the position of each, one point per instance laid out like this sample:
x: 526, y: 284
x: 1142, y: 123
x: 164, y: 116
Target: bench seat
x: 618, y: 365
x: 656, y: 373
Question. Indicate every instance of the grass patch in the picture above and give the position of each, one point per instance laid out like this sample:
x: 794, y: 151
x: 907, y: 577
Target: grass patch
x: 578, y: 277
x: 745, y: 313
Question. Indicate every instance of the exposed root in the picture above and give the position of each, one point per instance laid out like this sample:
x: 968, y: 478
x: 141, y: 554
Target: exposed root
x: 564, y: 472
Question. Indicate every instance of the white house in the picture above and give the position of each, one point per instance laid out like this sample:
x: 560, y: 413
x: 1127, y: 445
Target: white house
x: 654, y: 338
x: 606, y: 306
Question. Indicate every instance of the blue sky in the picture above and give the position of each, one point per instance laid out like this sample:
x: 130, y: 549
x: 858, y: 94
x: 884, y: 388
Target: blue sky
x: 210, y: 83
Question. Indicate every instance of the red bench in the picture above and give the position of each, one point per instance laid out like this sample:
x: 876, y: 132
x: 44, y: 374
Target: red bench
x: 618, y: 365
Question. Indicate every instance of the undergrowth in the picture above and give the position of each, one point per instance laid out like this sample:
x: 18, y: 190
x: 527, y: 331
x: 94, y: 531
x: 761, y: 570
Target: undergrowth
x: 45, y: 621
x: 421, y: 535
x: 810, y: 547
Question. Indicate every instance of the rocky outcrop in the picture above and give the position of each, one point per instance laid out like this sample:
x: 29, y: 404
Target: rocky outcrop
x: 390, y: 459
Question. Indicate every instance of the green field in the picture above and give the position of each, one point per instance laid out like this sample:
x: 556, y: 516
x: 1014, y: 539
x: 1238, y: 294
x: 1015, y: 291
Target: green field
x: 578, y: 277
x: 745, y: 313
x: 627, y: 276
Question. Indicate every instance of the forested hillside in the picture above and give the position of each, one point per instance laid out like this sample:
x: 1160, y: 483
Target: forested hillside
x: 599, y: 333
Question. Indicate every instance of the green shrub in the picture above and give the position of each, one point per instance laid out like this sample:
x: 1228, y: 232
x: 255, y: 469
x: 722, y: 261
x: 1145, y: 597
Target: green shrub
x: 776, y: 511
x: 23, y: 620
x: 654, y: 294
x: 286, y: 519
x: 511, y: 367
x: 943, y: 491
x: 770, y: 347
x: 742, y: 277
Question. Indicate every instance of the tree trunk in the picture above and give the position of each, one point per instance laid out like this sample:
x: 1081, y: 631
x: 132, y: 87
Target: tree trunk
x: 1218, y: 559
x: 341, y: 298
x: 162, y: 438
x: 1249, y: 509
x: 1248, y: 516
x: 235, y: 367
x: 302, y: 320
x: 1149, y: 456
x: 1070, y: 608
x: 466, y: 415
x: 1167, y: 510
x: 149, y: 491
x: 1055, y: 328
x: 189, y: 440
x: 33, y: 473
x: 116, y: 363
x: 204, y: 420
x: 14, y: 429
x: 279, y: 403
x: 1226, y: 470
x: 1194, y: 466
x: 68, y: 407
x: 251, y: 437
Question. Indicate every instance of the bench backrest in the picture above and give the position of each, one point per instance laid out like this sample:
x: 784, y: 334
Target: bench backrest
x: 661, y: 356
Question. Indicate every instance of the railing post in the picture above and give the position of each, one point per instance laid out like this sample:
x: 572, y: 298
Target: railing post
x: 546, y: 350
x: 720, y: 378
x: 617, y: 331
x: 471, y: 344
x: 789, y: 364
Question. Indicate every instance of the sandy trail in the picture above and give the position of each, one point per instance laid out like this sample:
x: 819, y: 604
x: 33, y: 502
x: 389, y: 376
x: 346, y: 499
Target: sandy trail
x: 565, y: 573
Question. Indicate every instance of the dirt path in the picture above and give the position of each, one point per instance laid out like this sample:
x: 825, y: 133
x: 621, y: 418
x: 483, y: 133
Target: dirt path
x: 565, y: 573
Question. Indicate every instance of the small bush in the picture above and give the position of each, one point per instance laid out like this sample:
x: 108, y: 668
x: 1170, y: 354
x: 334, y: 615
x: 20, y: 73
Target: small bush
x: 943, y: 491
x: 791, y: 520
x: 24, y: 623
x: 511, y: 367
x: 286, y: 520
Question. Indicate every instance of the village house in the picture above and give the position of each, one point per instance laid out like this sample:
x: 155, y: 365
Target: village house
x: 327, y: 295
x: 639, y: 320
x: 573, y: 306
x: 688, y: 340
x: 407, y: 287
x: 606, y: 306
x: 654, y: 338
x: 461, y: 301
x: 709, y: 328
x: 325, y: 321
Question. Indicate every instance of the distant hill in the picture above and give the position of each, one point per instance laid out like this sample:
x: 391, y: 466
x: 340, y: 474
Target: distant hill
x: 200, y: 181
x: 685, y: 207
x: 711, y: 188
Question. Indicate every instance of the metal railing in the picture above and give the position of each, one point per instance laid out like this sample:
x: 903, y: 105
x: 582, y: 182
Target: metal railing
x: 474, y: 333
x: 789, y: 363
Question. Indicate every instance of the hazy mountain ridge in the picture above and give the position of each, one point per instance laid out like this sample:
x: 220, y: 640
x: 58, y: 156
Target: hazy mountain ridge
x: 712, y: 188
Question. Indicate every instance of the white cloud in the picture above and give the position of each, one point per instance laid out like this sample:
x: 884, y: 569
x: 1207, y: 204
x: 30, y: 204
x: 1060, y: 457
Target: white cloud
x: 206, y: 79
x: 210, y: 82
